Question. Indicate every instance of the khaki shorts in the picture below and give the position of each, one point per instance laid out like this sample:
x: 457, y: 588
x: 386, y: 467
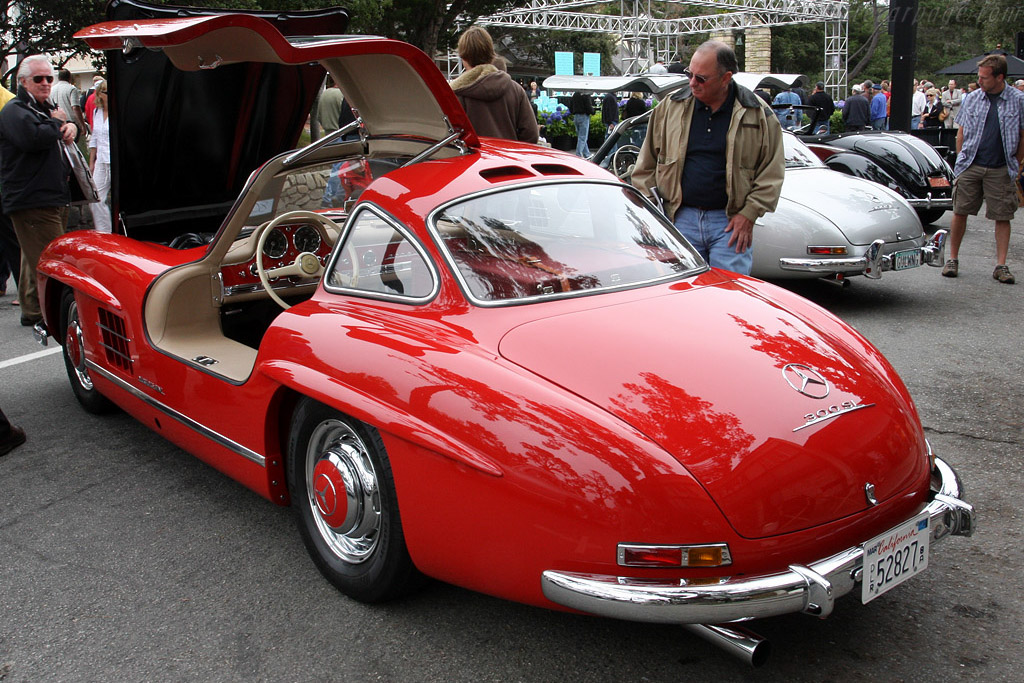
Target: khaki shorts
x: 994, y: 185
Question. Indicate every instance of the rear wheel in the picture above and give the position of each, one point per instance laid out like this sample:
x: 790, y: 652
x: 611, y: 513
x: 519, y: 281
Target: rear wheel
x: 74, y: 358
x: 929, y: 216
x: 344, y: 496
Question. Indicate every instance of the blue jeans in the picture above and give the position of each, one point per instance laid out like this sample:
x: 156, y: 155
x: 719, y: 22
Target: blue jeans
x: 333, y: 195
x: 582, y: 122
x: 915, y: 121
x: 705, y: 230
x: 878, y: 124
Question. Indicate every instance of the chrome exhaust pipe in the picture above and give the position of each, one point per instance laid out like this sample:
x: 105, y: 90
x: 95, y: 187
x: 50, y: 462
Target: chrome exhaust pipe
x: 736, y: 640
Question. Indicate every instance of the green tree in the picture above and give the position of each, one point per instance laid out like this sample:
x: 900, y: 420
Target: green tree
x: 46, y: 26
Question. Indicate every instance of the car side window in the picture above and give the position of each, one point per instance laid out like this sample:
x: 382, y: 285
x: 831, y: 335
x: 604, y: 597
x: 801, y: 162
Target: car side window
x: 378, y: 258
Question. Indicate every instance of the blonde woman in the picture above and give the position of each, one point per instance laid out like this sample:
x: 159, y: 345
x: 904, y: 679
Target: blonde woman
x: 99, y: 159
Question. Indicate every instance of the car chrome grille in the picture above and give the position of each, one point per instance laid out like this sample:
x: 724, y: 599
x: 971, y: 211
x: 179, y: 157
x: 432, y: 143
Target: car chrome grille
x: 115, y: 341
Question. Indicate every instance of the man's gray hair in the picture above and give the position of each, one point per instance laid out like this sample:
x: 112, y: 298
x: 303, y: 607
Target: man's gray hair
x: 26, y: 65
x: 724, y: 54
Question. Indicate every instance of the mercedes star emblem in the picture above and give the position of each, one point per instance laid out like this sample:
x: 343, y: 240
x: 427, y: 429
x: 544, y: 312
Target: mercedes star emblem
x: 806, y: 380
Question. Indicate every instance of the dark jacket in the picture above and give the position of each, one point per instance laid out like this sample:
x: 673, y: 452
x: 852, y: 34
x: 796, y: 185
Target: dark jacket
x: 857, y: 112
x: 496, y: 105
x: 824, y: 106
x: 581, y: 104
x: 634, y: 107
x: 610, y: 109
x: 33, y: 168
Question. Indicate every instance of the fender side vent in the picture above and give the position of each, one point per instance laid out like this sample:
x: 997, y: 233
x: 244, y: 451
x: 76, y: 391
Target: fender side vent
x: 114, y: 341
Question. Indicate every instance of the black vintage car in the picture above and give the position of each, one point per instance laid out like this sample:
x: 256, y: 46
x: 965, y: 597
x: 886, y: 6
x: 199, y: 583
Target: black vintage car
x: 900, y: 161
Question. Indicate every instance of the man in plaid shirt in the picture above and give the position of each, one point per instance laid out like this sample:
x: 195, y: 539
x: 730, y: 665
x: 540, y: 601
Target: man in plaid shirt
x: 990, y: 153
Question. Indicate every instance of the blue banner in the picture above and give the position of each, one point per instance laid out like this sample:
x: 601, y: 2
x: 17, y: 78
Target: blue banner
x: 563, y: 64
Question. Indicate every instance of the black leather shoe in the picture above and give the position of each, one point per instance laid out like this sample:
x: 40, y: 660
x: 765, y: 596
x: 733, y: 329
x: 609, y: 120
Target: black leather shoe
x: 15, y: 438
x: 29, y: 322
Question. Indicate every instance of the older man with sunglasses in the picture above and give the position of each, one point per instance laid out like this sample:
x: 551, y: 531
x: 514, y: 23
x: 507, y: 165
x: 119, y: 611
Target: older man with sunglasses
x: 714, y: 154
x: 34, y: 172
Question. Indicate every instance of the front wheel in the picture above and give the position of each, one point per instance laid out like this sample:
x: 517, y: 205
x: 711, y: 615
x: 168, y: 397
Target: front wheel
x: 344, y: 497
x: 74, y: 358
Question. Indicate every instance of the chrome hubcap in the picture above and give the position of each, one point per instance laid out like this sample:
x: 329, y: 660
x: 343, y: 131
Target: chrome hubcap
x: 343, y: 493
x: 74, y: 346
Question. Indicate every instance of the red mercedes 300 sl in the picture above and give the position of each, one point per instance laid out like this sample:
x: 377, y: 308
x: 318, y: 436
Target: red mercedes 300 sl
x: 470, y: 359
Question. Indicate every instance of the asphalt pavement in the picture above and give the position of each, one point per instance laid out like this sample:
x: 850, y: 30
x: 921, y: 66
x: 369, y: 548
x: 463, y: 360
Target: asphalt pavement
x: 124, y: 558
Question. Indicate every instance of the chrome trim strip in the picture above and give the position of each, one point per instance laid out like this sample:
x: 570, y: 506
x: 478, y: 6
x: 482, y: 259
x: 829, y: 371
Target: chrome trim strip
x: 819, y: 420
x: 405, y: 232
x: 203, y: 430
x: 811, y: 589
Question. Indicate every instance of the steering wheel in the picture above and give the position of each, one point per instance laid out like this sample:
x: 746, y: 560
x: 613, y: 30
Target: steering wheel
x: 306, y: 264
x: 624, y: 160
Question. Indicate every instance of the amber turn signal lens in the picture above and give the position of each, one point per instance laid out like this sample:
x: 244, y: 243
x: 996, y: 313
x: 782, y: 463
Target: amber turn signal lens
x: 705, y: 557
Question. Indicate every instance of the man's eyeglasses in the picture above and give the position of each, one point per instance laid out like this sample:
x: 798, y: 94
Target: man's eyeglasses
x: 40, y: 79
x: 699, y: 80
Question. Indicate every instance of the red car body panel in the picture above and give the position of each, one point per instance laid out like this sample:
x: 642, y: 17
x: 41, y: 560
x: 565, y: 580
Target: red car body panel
x: 521, y: 438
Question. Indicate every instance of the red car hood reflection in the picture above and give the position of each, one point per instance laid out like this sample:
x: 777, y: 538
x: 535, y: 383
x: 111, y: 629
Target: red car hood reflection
x: 701, y: 372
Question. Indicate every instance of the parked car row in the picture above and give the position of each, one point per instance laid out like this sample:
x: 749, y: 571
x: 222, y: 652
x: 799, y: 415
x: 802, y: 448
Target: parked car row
x: 827, y: 224
x: 481, y: 366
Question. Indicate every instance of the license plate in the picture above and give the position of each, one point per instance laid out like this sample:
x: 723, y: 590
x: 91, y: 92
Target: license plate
x: 894, y: 557
x: 903, y: 260
x: 938, y: 182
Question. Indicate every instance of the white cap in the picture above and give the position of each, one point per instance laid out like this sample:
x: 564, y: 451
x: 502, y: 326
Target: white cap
x: 857, y: 88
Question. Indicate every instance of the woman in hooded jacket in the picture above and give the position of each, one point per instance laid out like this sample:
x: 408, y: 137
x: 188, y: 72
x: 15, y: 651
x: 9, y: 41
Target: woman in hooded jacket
x: 497, y: 106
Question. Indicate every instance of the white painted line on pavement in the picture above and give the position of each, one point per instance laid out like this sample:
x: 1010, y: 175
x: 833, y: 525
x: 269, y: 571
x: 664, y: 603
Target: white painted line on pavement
x: 32, y: 356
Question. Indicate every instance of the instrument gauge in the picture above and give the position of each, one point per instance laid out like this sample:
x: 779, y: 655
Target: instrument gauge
x: 307, y: 239
x: 276, y: 244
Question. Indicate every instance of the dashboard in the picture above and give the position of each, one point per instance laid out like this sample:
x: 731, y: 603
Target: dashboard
x: 283, y: 244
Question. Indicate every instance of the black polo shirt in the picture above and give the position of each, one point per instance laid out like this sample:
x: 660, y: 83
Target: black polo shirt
x: 704, y: 166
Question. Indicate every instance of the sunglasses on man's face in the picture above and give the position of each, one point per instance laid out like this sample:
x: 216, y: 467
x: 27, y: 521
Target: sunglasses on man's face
x: 40, y: 79
x: 699, y: 80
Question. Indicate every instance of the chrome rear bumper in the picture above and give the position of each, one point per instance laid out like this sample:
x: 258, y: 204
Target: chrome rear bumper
x: 873, y: 263
x: 930, y: 203
x: 811, y: 588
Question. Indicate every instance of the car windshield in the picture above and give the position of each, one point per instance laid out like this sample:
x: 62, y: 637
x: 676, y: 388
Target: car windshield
x: 331, y: 188
x: 558, y: 239
x: 798, y: 155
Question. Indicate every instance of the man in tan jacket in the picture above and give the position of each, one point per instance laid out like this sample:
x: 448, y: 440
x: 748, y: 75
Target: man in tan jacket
x: 714, y: 153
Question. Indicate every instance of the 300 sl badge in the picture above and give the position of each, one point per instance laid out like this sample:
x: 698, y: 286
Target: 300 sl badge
x: 834, y: 410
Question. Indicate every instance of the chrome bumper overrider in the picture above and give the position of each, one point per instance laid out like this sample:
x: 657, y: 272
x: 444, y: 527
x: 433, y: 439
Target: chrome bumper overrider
x: 873, y: 263
x: 811, y: 588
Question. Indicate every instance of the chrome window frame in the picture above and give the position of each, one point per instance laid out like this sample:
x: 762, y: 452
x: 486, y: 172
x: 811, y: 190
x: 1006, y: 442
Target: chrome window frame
x: 453, y: 266
x: 407, y: 234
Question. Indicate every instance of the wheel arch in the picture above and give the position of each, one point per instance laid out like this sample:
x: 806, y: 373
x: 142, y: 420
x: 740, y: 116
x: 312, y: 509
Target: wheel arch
x: 58, y: 276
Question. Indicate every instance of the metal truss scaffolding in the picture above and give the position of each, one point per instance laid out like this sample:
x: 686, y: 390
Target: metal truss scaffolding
x: 647, y: 36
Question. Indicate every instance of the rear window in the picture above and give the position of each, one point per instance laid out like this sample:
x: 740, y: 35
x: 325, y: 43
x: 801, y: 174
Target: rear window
x: 558, y: 239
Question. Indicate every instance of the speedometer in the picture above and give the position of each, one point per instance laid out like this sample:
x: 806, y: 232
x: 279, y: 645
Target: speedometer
x: 275, y: 245
x: 307, y: 239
